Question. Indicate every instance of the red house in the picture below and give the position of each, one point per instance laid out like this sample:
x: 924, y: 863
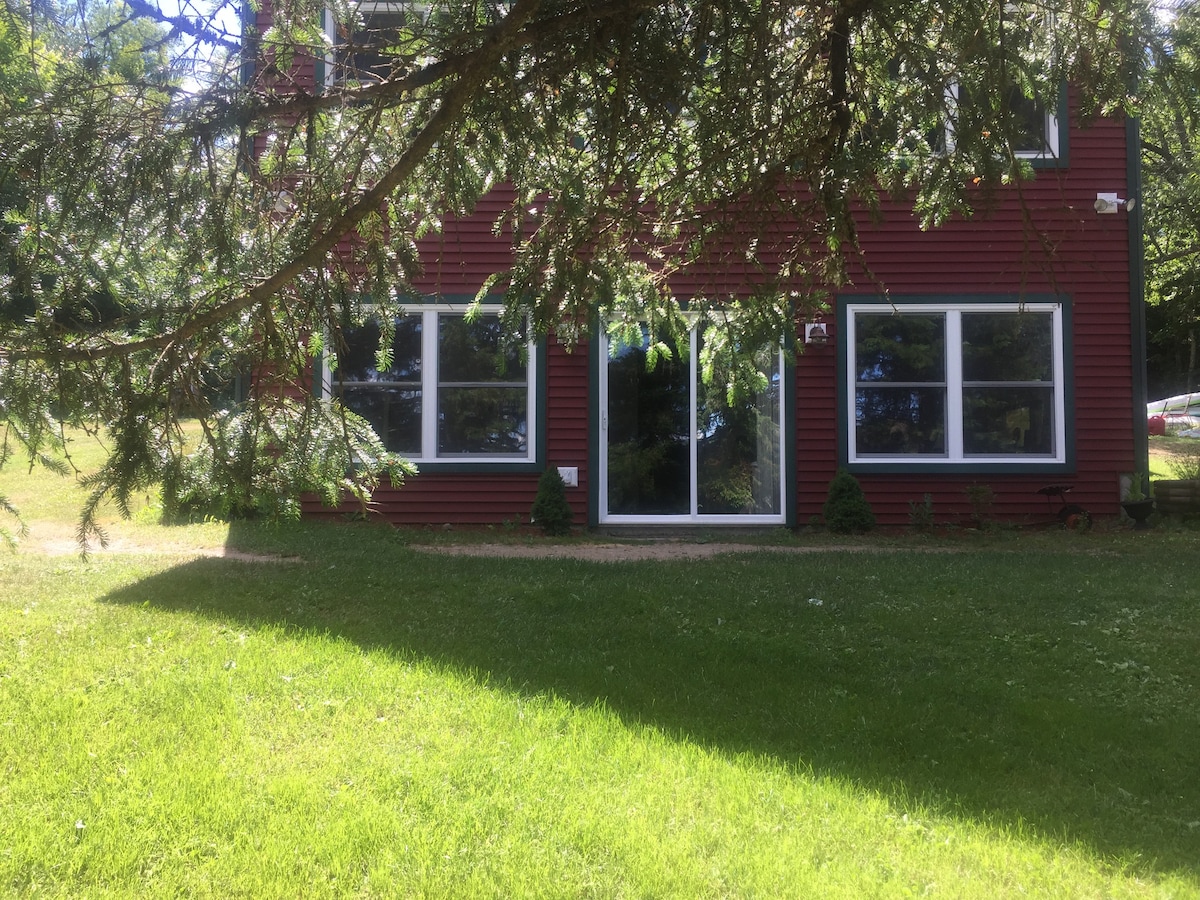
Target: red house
x: 1005, y: 356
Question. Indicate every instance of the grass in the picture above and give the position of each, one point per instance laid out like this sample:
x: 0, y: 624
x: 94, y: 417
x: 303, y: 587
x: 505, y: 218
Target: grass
x: 1168, y: 452
x: 1016, y: 716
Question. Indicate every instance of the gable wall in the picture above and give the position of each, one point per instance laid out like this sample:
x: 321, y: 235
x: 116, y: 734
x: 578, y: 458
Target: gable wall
x: 1084, y: 256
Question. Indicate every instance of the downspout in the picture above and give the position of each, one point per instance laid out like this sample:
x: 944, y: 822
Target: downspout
x: 1137, y: 295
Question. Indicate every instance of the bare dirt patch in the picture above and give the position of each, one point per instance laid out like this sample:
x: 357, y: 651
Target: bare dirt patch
x: 611, y: 552
x: 54, y: 539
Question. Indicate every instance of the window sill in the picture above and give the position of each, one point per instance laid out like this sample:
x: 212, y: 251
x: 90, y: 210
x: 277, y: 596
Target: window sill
x: 943, y: 467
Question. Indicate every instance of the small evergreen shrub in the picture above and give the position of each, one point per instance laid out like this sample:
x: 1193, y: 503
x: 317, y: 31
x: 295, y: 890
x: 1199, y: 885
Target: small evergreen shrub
x: 980, y: 496
x: 846, y: 508
x: 551, y: 510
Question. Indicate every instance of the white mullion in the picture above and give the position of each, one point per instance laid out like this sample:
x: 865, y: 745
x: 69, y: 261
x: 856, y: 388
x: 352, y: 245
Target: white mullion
x: 954, y: 386
x: 429, y: 383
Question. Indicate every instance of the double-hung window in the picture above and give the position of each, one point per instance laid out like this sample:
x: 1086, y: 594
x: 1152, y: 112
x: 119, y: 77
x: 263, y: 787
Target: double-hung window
x: 1020, y: 103
x: 381, y: 35
x: 1037, y: 135
x: 957, y: 383
x: 454, y: 389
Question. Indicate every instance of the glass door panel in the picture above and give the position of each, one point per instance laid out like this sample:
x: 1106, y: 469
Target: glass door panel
x: 738, y: 443
x: 649, y: 468
x: 676, y: 449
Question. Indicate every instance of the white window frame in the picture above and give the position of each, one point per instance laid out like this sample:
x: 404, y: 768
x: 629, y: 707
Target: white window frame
x: 955, y: 455
x: 430, y: 314
x: 365, y: 8
x: 1050, y: 150
x: 693, y: 516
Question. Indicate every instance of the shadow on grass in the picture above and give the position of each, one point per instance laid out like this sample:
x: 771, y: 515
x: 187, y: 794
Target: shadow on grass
x: 1029, y: 690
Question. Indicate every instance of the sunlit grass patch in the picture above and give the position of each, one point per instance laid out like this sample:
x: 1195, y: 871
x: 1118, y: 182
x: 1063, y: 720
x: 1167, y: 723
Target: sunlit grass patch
x: 373, y: 721
x: 1007, y: 715
x: 50, y: 503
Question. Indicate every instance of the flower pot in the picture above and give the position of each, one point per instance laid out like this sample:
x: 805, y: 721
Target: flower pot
x: 1139, y: 511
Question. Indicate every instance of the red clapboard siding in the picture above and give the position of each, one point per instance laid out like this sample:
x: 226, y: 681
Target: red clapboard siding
x: 1038, y: 237
x: 1070, y: 250
x: 492, y: 498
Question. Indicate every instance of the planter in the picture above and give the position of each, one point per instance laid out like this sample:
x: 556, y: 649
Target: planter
x: 1139, y: 511
x: 1178, y: 498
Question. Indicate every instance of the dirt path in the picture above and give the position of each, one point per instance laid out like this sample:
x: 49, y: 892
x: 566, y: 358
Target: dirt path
x: 58, y: 539
x: 608, y: 552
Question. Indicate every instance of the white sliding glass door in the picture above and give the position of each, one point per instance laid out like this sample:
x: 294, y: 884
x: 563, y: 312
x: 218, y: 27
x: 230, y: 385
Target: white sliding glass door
x: 674, y: 449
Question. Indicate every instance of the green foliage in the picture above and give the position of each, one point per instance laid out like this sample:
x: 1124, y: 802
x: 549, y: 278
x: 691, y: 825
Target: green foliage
x: 1169, y: 124
x: 174, y: 211
x: 315, y: 449
x: 846, y: 509
x: 551, y: 511
x: 1139, y: 484
x: 920, y: 515
x: 1185, y: 464
x: 980, y: 498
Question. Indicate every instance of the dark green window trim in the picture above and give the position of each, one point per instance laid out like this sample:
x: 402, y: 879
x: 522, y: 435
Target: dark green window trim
x: 1137, y: 296
x: 1063, y: 159
x: 946, y: 467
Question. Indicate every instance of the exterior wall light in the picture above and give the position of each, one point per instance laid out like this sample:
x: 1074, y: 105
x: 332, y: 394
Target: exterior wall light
x: 815, y: 333
x: 1107, y: 204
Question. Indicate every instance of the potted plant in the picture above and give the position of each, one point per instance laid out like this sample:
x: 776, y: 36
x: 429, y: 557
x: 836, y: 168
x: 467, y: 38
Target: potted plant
x: 1137, y: 504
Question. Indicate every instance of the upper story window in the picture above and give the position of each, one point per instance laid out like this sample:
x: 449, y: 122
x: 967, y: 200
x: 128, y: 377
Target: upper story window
x: 367, y: 48
x: 454, y: 389
x: 1035, y: 125
x: 1020, y: 104
x: 366, y: 51
x: 957, y: 383
x: 383, y: 36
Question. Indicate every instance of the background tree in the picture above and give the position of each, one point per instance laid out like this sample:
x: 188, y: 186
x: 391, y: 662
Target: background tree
x: 168, y: 223
x: 1170, y: 120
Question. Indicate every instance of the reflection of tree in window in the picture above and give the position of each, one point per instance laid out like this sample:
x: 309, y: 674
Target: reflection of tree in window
x: 1008, y: 383
x: 482, y: 389
x: 648, y: 434
x: 1029, y: 121
x: 900, y: 390
x: 368, y: 51
x: 738, y: 441
x: 1024, y: 118
x: 391, y: 399
x: 481, y: 394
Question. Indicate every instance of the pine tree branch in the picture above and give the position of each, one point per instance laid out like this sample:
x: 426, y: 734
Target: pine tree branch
x: 475, y: 70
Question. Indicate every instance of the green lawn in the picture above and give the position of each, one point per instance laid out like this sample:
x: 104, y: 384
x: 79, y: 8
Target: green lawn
x: 1000, y: 716
x: 1167, y: 453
